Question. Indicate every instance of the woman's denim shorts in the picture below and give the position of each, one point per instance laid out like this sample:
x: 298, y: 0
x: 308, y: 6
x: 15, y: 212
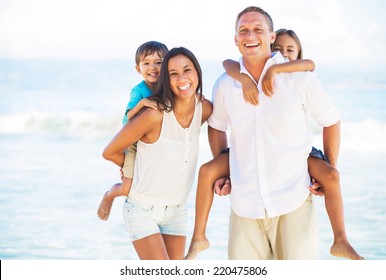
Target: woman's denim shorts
x: 142, y: 220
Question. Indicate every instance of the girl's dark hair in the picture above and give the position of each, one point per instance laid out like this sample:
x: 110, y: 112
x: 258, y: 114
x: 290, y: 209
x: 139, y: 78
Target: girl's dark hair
x: 163, y: 94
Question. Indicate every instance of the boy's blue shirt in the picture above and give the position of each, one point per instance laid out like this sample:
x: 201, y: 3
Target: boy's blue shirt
x: 137, y: 93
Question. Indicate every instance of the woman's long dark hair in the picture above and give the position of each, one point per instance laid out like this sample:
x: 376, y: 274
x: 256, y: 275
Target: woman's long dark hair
x: 163, y: 94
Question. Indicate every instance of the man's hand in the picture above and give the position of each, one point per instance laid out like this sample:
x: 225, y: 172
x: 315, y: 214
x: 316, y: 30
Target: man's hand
x: 122, y: 175
x: 222, y: 186
x: 316, y: 188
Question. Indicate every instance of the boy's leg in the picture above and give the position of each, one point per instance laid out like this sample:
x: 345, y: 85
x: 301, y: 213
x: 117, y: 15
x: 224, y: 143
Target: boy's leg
x: 328, y: 177
x: 119, y: 189
x: 208, y: 174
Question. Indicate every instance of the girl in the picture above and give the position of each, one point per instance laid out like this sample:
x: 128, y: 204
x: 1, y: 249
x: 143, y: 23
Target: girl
x: 167, y: 151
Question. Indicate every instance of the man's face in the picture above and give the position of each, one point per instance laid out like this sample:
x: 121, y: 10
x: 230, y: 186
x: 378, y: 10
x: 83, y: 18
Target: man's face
x: 253, y: 37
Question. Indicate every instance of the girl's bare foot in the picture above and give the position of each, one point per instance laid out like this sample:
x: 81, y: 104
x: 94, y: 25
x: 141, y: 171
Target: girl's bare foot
x: 105, y: 207
x: 345, y: 250
x: 196, y: 246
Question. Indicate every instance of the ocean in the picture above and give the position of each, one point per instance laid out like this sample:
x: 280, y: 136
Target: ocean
x: 57, y: 116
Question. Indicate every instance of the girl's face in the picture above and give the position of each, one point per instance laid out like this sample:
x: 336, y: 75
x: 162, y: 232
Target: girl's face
x: 183, y: 76
x: 287, y: 46
x: 149, y: 67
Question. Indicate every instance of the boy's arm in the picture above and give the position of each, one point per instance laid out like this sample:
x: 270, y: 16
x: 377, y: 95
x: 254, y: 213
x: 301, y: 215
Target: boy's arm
x: 250, y: 91
x: 140, y: 105
x: 291, y: 66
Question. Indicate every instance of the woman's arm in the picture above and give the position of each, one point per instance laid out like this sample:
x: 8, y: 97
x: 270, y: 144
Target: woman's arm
x: 143, y: 127
x: 207, y: 109
x: 249, y: 87
x: 291, y: 66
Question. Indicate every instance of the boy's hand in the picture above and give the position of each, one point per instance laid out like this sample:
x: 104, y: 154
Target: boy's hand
x: 149, y: 103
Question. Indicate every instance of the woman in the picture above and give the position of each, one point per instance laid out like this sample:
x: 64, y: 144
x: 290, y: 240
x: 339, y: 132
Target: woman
x: 168, y: 139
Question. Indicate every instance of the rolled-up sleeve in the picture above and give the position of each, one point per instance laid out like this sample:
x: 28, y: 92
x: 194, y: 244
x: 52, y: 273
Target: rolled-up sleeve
x: 219, y: 118
x: 319, y: 104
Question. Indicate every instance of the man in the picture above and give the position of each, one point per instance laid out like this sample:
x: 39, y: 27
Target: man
x: 272, y: 215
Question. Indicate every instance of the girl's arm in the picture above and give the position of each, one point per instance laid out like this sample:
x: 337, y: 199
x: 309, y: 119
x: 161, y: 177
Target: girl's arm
x: 291, y: 66
x: 250, y: 92
x: 143, y: 127
x: 141, y: 104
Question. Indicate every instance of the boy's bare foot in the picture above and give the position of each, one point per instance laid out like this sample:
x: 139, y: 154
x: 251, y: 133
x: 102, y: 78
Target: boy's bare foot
x: 105, y: 207
x: 196, y: 246
x: 345, y: 250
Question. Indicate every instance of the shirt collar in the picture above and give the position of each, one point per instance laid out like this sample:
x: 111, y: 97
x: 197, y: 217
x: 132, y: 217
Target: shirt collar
x: 276, y: 58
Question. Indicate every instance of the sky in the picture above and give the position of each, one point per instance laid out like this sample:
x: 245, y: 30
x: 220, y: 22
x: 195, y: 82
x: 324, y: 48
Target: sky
x: 333, y: 32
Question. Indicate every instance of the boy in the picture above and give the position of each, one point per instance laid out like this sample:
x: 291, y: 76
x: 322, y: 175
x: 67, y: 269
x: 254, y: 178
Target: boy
x: 148, y: 60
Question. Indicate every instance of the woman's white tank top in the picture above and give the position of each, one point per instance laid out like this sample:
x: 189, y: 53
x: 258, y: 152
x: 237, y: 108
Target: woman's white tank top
x: 164, y: 171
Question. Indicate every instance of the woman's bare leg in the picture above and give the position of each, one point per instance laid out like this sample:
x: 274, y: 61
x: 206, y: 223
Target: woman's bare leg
x: 208, y: 174
x: 151, y: 247
x: 328, y: 177
x: 160, y: 247
x: 175, y: 246
x: 119, y: 189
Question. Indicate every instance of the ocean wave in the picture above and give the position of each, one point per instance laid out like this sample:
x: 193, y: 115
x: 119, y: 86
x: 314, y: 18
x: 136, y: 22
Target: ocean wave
x: 71, y: 124
x: 366, y: 135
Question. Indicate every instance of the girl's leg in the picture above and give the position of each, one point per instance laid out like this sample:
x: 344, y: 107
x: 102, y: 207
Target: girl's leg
x: 119, y: 189
x: 208, y: 174
x: 328, y: 177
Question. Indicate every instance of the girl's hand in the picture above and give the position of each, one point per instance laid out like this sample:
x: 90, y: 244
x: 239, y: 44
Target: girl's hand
x: 268, y: 80
x: 250, y: 92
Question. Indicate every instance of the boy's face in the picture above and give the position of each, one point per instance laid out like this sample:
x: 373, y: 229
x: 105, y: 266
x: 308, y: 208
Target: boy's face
x: 149, y: 67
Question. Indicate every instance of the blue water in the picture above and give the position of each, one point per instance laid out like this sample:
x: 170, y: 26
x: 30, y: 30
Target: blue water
x: 55, y: 120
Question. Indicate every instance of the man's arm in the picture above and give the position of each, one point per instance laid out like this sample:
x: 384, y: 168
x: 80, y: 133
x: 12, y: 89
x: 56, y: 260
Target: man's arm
x: 331, y: 143
x: 217, y: 140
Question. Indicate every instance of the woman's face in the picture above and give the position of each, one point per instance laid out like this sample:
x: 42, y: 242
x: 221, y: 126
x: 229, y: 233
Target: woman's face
x: 183, y: 76
x: 287, y: 46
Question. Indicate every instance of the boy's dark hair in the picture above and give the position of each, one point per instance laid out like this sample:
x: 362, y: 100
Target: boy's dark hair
x: 149, y: 48
x: 163, y: 95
